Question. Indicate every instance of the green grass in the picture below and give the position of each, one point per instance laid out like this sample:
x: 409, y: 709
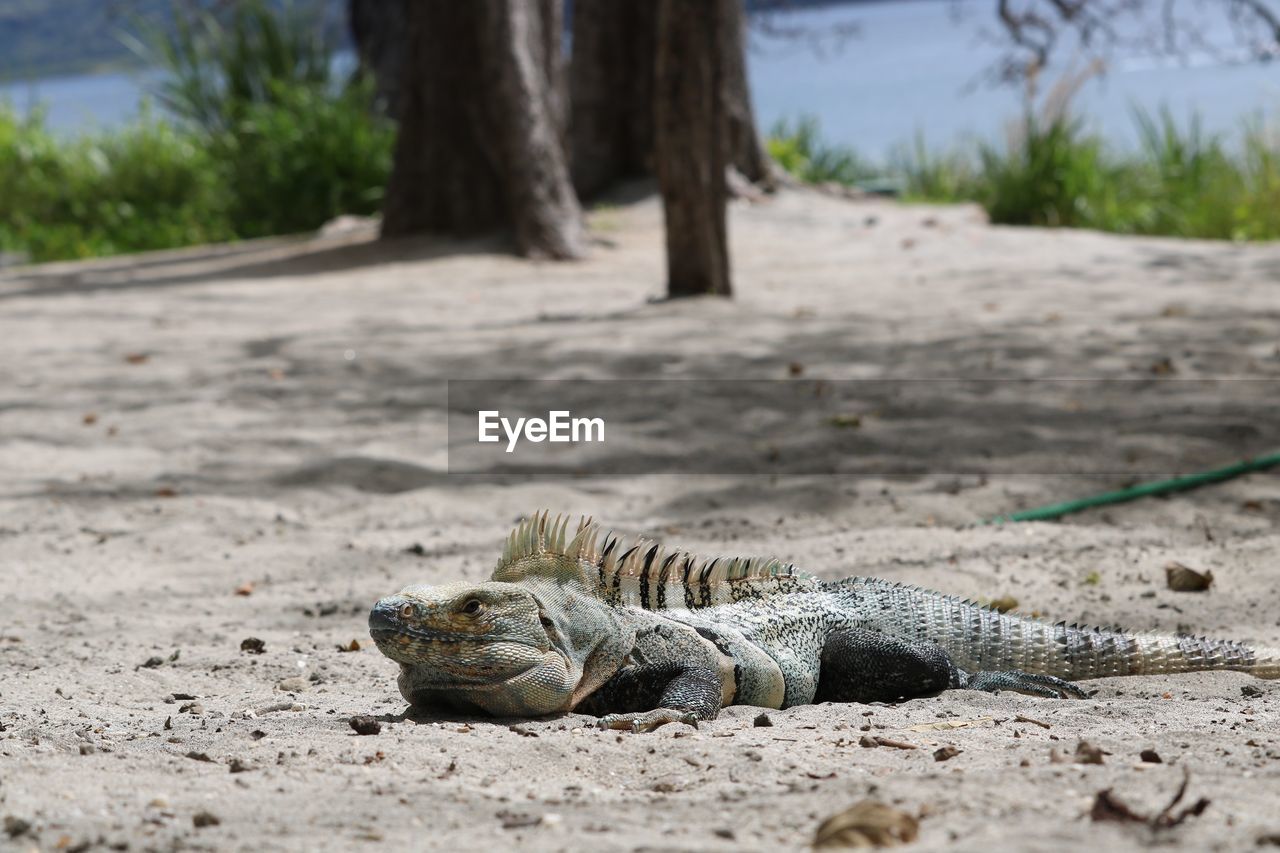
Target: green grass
x: 1051, y: 171
x: 264, y: 142
x: 799, y: 149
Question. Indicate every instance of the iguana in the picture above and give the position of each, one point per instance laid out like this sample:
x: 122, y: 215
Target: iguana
x: 641, y: 637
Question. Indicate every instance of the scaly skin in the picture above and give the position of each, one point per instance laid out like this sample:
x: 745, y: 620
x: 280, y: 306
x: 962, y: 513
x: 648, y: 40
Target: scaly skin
x: 641, y: 638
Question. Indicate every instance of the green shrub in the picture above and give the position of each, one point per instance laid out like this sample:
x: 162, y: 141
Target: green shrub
x: 937, y: 177
x: 1048, y: 173
x: 266, y: 143
x: 1182, y: 182
x: 148, y: 186
x: 220, y: 62
x: 305, y: 157
x: 1051, y: 171
x: 799, y: 149
x: 296, y: 147
x: 1258, y: 211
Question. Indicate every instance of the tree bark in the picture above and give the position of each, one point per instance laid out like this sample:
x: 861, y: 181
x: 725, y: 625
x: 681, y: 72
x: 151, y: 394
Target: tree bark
x: 378, y: 29
x: 479, y: 146
x: 611, y: 85
x: 690, y: 144
x: 746, y: 151
x: 611, y: 91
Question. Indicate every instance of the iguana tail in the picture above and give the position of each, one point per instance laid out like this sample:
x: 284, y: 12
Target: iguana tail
x: 979, y: 638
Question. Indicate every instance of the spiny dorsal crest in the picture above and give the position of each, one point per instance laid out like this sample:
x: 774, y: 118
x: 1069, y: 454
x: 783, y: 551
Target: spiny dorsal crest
x: 644, y: 575
x: 539, y: 535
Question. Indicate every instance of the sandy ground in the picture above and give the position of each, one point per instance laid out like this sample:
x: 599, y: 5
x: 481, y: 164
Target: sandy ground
x: 270, y: 418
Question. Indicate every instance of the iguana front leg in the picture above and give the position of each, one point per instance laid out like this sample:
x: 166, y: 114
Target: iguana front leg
x: 642, y: 697
x: 867, y: 666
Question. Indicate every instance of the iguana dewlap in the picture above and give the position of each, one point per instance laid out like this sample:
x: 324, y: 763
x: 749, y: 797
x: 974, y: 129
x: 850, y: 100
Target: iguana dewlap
x: 642, y: 637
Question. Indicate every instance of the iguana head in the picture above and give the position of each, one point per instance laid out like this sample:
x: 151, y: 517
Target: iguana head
x: 508, y: 649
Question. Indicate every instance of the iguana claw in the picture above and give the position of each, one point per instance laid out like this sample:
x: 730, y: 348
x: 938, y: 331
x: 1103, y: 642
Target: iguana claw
x: 647, y: 721
x: 1030, y: 683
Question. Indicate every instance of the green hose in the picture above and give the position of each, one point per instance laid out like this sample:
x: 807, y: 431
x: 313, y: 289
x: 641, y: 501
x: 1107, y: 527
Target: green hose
x: 1142, y: 490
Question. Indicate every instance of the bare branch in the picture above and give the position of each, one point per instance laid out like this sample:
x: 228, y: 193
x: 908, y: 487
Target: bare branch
x: 1163, y: 28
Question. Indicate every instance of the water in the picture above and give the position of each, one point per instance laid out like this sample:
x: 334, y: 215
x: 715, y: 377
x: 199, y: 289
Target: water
x: 81, y: 103
x: 911, y: 68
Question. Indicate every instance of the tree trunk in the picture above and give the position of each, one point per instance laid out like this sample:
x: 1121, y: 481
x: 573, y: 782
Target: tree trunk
x: 746, y: 152
x: 378, y: 29
x: 479, y: 146
x: 552, y: 59
x: 611, y: 89
x: 690, y: 142
x: 611, y: 84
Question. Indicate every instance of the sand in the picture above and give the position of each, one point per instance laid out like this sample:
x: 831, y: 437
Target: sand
x: 179, y: 430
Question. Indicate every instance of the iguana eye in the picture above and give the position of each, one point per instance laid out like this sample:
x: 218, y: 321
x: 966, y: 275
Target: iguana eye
x: 472, y: 607
x: 406, y: 611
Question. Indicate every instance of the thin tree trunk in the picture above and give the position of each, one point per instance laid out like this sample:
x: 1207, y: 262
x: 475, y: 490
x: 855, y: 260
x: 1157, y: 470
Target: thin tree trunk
x: 479, y: 146
x: 689, y: 144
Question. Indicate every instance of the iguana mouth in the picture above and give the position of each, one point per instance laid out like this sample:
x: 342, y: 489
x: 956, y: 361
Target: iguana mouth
x: 412, y: 645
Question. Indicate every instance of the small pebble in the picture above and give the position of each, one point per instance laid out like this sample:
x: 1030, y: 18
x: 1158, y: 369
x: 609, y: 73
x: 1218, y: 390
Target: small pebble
x: 365, y: 725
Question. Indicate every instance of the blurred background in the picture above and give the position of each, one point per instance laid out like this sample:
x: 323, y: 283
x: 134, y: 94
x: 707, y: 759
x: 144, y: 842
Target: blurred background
x: 128, y: 125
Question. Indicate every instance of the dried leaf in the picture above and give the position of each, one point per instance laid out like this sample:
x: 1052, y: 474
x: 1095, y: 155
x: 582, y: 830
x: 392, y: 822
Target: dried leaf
x: 945, y: 753
x: 1186, y: 579
x: 867, y: 824
x: 245, y: 588
x: 353, y: 646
